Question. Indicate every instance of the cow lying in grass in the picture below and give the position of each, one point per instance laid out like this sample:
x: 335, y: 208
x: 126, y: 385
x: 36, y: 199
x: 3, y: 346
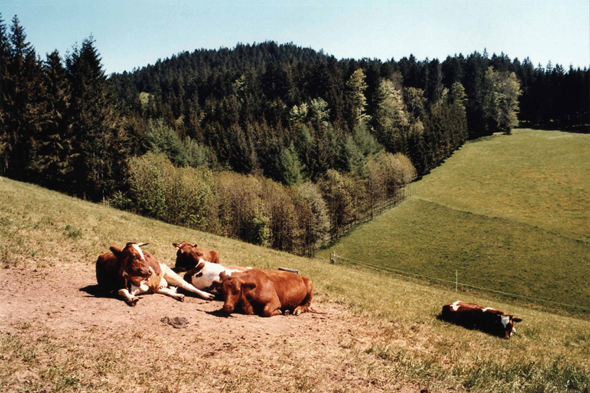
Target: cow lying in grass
x: 131, y: 271
x: 473, y: 316
x: 189, y: 255
x: 266, y: 292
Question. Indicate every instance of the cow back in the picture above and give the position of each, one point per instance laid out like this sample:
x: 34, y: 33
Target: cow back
x: 108, y: 272
x: 292, y: 289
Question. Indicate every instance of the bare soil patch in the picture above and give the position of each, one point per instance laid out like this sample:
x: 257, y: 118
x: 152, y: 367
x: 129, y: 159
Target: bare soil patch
x: 58, y: 336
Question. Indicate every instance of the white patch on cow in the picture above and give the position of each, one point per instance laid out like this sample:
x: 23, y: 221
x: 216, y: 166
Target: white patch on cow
x: 136, y: 246
x: 455, y: 306
x: 486, y: 309
x: 505, y: 319
x: 513, y: 330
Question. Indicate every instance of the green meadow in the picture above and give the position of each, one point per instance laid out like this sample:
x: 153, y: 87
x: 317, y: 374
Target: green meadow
x: 504, y: 214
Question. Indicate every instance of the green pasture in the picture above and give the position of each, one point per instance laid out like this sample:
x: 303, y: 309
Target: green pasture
x: 41, y: 229
x: 509, y: 214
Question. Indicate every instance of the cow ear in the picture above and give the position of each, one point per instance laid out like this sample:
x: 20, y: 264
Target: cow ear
x: 175, y: 245
x: 516, y: 320
x: 115, y: 250
x: 223, y: 276
x: 195, y: 245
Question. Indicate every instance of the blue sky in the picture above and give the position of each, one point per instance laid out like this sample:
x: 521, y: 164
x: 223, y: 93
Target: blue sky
x: 132, y: 34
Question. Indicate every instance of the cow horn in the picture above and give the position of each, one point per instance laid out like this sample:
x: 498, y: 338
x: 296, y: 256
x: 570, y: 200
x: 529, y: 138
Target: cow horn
x: 195, y: 245
x: 142, y: 244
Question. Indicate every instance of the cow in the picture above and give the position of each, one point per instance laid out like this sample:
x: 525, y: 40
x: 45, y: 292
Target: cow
x: 207, y: 276
x: 266, y: 293
x: 486, y: 319
x: 189, y: 255
x: 130, y: 271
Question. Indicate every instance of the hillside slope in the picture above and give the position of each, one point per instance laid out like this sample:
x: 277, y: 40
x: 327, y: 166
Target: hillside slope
x: 509, y: 214
x: 378, y: 333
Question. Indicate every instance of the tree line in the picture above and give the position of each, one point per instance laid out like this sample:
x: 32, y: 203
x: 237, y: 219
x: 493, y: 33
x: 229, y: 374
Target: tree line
x: 264, y: 142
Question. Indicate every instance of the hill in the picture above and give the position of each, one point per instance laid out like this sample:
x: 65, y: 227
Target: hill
x: 378, y: 334
x: 507, y: 213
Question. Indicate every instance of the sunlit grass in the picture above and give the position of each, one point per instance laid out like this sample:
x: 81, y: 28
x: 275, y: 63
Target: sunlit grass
x: 399, y: 337
x: 508, y: 213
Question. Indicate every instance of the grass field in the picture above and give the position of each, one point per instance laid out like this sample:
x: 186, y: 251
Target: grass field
x: 508, y: 213
x: 397, y: 336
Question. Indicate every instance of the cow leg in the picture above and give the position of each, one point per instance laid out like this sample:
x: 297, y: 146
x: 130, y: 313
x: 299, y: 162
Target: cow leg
x: 172, y: 293
x: 174, y: 279
x: 272, y: 308
x: 306, y: 302
x: 246, y: 307
x: 129, y: 298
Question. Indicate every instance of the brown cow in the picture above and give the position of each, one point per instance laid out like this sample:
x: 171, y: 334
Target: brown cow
x: 189, y: 255
x: 131, y: 271
x: 266, y: 292
x: 487, y: 319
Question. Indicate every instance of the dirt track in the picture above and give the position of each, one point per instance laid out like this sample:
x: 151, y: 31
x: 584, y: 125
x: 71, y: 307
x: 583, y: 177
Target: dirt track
x: 311, y: 352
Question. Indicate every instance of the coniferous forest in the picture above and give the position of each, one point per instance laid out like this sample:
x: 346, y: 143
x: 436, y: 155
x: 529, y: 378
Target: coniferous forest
x: 274, y: 144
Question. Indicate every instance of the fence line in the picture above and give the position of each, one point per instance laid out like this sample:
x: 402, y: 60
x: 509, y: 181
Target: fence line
x: 456, y: 282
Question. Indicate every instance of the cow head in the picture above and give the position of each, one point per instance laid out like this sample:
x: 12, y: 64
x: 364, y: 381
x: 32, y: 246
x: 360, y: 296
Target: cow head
x: 187, y: 256
x: 133, y: 262
x: 508, y: 322
x: 232, y: 288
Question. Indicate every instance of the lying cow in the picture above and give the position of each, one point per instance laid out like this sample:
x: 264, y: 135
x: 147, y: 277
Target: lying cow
x: 266, y: 292
x: 189, y: 255
x: 207, y: 276
x: 486, y: 319
x: 131, y: 271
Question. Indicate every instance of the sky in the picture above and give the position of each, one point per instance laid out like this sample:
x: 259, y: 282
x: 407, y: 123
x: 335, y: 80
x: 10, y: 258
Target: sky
x: 132, y: 34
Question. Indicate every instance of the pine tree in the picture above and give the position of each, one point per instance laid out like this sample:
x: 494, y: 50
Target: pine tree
x: 23, y: 106
x: 53, y: 159
x: 4, y: 59
x: 98, y: 132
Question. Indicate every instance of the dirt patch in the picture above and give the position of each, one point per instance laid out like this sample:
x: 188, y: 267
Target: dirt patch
x: 58, y: 331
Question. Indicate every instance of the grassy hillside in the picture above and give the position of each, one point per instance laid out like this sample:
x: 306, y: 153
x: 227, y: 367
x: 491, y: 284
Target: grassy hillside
x: 509, y: 213
x: 404, y: 340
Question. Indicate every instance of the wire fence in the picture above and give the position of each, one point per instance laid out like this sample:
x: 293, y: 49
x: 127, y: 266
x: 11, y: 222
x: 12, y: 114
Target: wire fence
x: 334, y: 258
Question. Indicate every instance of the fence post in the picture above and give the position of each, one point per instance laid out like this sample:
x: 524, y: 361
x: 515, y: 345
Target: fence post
x: 456, y: 279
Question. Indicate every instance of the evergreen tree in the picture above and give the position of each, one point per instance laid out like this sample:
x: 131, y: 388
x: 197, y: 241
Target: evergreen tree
x: 98, y: 131
x: 55, y: 155
x: 23, y: 106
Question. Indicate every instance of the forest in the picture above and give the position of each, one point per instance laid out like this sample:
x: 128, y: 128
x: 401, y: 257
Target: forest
x: 273, y: 144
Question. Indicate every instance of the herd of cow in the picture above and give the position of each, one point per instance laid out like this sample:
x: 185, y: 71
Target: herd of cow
x: 131, y: 271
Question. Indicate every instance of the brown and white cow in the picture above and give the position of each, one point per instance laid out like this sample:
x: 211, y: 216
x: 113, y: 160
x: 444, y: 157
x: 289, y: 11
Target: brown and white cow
x: 189, y: 255
x: 487, y: 319
x: 130, y: 271
x: 266, y: 292
x: 207, y: 276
